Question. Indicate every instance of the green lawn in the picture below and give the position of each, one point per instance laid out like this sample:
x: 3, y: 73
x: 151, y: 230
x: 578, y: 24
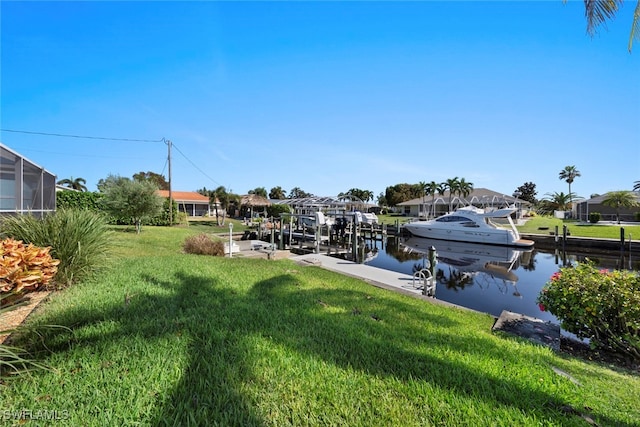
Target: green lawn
x: 164, y: 338
x: 579, y: 229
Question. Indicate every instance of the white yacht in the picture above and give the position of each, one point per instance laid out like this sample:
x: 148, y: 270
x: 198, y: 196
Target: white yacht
x: 471, y: 224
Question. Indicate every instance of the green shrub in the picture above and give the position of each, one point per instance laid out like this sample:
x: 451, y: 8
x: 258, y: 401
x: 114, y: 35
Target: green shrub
x: 202, y: 244
x: 163, y: 218
x: 78, y: 238
x: 601, y: 305
x: 637, y: 216
x: 594, y: 217
x: 277, y: 210
x: 68, y: 199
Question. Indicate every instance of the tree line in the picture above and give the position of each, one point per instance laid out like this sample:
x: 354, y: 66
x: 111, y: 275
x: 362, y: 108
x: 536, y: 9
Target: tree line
x: 224, y: 200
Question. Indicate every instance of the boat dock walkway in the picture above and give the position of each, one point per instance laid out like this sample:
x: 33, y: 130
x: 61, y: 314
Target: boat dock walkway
x: 399, y: 282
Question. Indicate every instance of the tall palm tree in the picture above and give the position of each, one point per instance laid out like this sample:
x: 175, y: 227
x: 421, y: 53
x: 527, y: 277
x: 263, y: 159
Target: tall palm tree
x: 620, y: 199
x: 423, y: 186
x: 442, y: 188
x: 598, y: 12
x: 77, y: 184
x: 569, y: 173
x: 452, y: 185
x: 219, y: 197
x: 464, y: 188
x: 432, y: 188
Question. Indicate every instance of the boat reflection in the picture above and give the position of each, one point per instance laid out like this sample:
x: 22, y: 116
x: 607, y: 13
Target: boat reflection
x: 461, y: 264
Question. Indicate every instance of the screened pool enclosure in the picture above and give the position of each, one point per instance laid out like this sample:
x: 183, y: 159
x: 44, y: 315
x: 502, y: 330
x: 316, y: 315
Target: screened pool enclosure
x: 24, y: 186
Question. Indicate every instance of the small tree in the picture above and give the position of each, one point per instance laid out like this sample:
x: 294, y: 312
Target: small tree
x: 159, y: 180
x: 132, y: 201
x: 276, y: 211
x: 528, y: 192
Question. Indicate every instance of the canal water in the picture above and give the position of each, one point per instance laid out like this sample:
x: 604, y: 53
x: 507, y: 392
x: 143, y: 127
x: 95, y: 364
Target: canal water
x: 485, y: 278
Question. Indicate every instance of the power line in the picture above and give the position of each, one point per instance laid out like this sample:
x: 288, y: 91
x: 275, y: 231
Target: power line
x: 194, y: 165
x: 81, y: 136
x: 112, y: 139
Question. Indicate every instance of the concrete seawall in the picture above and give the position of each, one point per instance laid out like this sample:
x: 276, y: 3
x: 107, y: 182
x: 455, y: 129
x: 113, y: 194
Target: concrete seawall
x: 550, y: 241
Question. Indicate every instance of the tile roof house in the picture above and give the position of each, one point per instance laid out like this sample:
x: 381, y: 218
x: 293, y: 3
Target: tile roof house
x: 190, y: 202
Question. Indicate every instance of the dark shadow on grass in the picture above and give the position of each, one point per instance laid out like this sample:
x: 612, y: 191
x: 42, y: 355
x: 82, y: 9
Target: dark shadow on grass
x: 341, y: 326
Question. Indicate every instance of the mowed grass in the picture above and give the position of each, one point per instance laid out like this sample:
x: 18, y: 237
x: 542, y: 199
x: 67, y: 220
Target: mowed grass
x: 580, y: 229
x: 165, y: 338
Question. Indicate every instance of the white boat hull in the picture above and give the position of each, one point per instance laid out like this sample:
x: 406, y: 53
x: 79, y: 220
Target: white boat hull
x: 469, y: 226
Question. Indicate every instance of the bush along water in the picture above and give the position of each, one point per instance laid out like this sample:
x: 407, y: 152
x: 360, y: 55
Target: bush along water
x: 600, y: 305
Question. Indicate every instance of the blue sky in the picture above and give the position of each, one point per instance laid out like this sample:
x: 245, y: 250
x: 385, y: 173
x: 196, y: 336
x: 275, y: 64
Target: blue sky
x: 324, y: 96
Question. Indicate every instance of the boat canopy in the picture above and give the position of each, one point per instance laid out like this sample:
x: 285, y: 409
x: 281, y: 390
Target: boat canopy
x: 500, y: 213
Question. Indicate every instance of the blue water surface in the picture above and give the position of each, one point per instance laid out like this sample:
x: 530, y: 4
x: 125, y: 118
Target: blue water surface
x: 486, y: 278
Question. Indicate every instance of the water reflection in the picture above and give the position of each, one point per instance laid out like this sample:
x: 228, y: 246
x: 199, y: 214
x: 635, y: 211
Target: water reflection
x: 464, y: 264
x: 486, y: 278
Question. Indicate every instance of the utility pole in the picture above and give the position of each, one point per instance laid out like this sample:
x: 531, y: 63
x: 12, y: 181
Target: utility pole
x: 170, y: 195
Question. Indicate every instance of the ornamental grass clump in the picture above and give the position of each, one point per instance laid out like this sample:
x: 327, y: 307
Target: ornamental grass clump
x: 600, y: 305
x: 80, y: 239
x: 202, y: 244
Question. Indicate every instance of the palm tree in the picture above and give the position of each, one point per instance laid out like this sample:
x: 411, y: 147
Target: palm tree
x: 464, y: 188
x: 277, y: 193
x: 219, y: 197
x: 77, y: 184
x: 620, y: 199
x: 259, y: 191
x: 452, y: 185
x: 423, y: 186
x: 569, y: 173
x: 598, y: 11
x: 442, y: 188
x: 432, y: 188
x: 554, y: 202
